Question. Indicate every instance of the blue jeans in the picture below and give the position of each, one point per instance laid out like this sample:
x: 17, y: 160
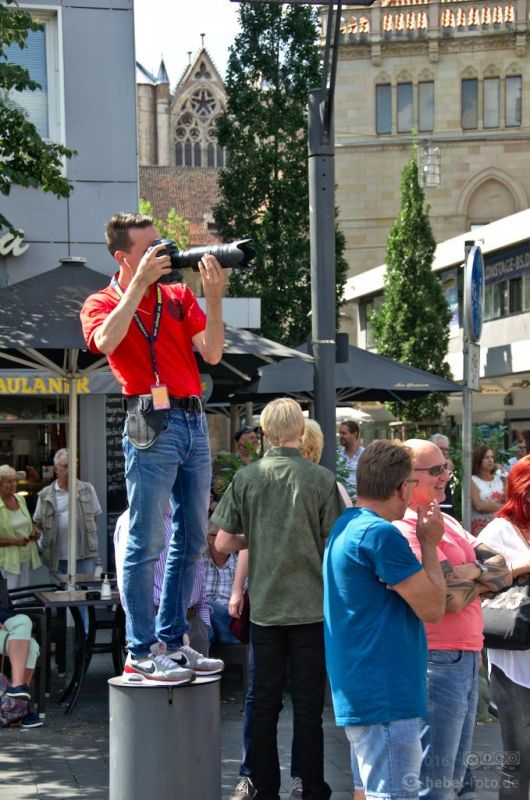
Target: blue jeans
x: 452, y: 680
x: 389, y: 757
x: 219, y: 619
x: 176, y: 467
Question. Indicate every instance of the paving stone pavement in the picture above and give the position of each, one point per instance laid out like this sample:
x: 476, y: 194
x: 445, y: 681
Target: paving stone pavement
x: 68, y: 757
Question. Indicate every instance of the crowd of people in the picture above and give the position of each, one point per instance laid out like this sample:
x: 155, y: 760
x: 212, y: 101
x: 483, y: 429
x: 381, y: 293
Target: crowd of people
x: 382, y: 596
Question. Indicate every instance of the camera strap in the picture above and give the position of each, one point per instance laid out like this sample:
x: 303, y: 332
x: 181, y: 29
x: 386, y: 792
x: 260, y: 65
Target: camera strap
x: 151, y: 337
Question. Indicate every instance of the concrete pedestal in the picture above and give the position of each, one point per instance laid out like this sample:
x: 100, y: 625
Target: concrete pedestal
x: 165, y: 741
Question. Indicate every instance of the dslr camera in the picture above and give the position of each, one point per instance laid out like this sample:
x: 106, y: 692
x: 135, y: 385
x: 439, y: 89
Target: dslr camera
x: 233, y: 255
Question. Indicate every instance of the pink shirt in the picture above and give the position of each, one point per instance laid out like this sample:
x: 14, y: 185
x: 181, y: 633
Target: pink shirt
x: 455, y: 631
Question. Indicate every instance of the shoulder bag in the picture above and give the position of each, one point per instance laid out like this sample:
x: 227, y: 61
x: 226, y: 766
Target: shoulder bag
x: 507, y: 615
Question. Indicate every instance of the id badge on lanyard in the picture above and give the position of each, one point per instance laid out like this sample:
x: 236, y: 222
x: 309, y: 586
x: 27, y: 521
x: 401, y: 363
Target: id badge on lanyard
x: 159, y: 391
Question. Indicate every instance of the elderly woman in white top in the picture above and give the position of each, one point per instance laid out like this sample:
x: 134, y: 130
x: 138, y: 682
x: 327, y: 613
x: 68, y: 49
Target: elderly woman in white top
x: 18, y: 548
x: 509, y: 534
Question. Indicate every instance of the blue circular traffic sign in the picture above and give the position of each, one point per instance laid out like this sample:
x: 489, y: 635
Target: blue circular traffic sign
x: 474, y: 294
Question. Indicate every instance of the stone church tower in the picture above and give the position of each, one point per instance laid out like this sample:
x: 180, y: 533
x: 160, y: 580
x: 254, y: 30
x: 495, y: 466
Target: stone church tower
x: 178, y: 129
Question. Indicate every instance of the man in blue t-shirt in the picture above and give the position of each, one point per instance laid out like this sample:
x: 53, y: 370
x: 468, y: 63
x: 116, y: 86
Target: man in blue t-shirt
x: 376, y: 594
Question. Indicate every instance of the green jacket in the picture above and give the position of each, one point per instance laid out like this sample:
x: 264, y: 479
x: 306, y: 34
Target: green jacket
x: 87, y: 534
x: 12, y: 557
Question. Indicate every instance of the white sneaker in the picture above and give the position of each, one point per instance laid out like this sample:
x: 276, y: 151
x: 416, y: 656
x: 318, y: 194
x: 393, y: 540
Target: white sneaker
x: 158, y: 667
x: 188, y: 658
x: 296, y: 789
x: 244, y: 790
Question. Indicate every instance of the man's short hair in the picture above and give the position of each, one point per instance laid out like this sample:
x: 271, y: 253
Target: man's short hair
x: 118, y: 227
x: 62, y: 453
x: 435, y: 438
x: 282, y: 420
x: 382, y: 468
x: 243, y: 431
x: 352, y: 426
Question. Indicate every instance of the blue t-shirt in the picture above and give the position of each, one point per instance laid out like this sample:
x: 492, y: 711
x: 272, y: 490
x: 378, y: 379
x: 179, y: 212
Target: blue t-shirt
x: 376, y: 649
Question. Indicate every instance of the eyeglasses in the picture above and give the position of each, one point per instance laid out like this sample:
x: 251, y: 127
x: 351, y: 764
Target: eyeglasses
x: 434, y: 471
x: 413, y: 481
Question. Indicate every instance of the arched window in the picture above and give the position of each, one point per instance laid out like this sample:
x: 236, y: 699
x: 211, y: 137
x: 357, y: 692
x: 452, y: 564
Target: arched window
x: 211, y: 154
x: 187, y: 154
x: 197, y: 158
x: 179, y: 155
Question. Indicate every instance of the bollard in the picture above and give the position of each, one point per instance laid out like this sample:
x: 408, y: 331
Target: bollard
x: 165, y: 741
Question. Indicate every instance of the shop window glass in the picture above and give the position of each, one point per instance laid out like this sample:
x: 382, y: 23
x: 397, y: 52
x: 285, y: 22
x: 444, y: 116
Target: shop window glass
x: 491, y: 102
x: 516, y: 295
x: 469, y: 104
x: 514, y: 88
x: 426, y: 106
x: 383, y: 108
x: 404, y: 107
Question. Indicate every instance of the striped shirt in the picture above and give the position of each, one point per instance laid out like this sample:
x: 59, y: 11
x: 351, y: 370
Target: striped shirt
x: 198, y: 596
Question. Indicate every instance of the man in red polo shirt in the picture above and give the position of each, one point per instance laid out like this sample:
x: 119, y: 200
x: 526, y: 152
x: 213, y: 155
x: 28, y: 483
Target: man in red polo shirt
x: 148, y: 330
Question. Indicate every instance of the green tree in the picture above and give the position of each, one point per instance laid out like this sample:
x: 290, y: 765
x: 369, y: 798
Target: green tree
x: 172, y: 227
x: 411, y: 325
x: 25, y: 159
x: 273, y: 64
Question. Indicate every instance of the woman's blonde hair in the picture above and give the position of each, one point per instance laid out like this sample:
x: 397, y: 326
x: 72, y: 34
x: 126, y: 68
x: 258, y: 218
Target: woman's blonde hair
x: 282, y: 420
x: 312, y: 442
x: 7, y: 472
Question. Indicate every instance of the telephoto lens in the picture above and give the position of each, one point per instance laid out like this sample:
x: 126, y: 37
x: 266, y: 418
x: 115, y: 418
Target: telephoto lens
x: 233, y: 255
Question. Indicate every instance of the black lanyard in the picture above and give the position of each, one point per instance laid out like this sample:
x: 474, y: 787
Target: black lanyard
x: 151, y: 337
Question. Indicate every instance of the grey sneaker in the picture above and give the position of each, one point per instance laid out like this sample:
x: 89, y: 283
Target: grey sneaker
x: 156, y: 667
x: 189, y: 658
x: 244, y: 790
x: 296, y: 789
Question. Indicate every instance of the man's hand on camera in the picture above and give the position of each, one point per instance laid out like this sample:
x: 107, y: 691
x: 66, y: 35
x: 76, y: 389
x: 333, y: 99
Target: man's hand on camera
x: 213, y: 277
x: 153, y: 266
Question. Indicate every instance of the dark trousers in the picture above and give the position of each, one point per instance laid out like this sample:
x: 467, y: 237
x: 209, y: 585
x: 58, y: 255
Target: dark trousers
x: 513, y: 703
x: 303, y: 647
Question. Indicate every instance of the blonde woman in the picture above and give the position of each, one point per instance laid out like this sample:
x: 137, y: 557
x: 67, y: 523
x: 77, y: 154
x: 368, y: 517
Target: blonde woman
x: 18, y: 547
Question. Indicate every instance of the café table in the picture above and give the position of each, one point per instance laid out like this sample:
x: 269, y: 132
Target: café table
x: 86, y: 646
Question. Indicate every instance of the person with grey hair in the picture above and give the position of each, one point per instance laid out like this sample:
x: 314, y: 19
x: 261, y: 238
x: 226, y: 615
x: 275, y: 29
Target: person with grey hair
x: 51, y: 516
x: 18, y: 549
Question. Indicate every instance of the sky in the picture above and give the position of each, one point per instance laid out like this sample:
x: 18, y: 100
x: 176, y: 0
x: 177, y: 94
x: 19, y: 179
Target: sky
x: 170, y: 28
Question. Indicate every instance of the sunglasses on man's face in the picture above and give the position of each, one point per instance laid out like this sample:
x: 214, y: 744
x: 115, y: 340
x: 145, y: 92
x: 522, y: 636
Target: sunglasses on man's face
x: 434, y: 471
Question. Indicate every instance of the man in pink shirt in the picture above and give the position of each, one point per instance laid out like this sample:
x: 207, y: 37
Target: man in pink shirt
x: 455, y: 641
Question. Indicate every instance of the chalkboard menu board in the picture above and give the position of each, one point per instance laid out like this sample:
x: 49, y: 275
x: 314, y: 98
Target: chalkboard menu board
x: 116, y: 494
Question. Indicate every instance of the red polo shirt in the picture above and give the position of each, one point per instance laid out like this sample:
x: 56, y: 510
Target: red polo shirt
x: 131, y: 362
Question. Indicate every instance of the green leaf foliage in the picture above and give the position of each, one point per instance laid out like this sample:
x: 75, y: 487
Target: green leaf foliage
x: 25, y: 159
x: 411, y: 325
x: 273, y: 64
x: 172, y: 227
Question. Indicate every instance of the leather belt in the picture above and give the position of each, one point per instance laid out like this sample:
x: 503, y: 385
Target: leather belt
x: 144, y: 402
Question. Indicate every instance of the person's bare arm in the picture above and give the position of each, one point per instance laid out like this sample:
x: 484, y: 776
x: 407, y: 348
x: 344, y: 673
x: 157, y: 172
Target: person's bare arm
x: 425, y: 590
x: 209, y: 342
x: 226, y: 542
x: 114, y: 329
x: 19, y: 541
x: 235, y: 604
x: 485, y: 506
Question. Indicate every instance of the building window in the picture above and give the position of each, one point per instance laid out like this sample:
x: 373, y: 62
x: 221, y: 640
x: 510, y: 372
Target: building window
x: 491, y: 102
x: 507, y: 297
x: 514, y: 88
x: 383, y: 108
x: 41, y: 59
x: 426, y: 106
x: 404, y: 107
x: 470, y: 104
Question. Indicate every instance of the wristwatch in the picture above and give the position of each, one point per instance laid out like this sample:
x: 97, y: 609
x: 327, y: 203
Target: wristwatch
x: 482, y: 568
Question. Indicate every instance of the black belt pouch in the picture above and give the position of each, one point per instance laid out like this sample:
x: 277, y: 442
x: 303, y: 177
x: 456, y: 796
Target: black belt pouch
x: 144, y: 424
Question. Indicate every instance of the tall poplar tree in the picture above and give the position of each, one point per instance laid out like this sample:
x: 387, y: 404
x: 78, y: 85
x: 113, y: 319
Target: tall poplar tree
x: 273, y: 64
x: 412, y: 324
x: 25, y: 158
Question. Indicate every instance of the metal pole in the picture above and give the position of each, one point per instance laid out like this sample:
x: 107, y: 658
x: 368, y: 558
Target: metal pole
x: 467, y: 424
x: 321, y: 165
x: 72, y: 480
